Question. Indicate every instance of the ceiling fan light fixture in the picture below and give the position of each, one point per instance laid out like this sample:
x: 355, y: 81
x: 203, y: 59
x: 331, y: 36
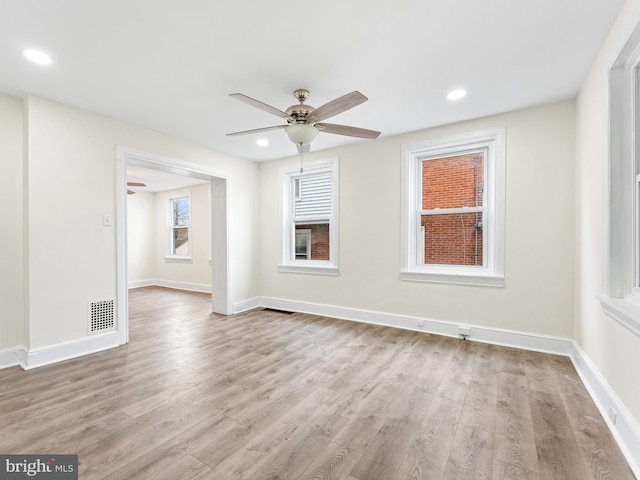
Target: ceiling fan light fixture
x: 301, y: 133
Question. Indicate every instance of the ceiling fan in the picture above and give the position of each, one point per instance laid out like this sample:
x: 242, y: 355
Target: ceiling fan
x: 304, y: 122
x: 134, y: 184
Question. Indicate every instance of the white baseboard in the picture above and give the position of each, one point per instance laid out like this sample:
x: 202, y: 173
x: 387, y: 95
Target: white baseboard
x: 190, y: 286
x: 248, y: 304
x: 10, y: 357
x: 625, y: 429
x: 496, y: 336
x: 141, y: 283
x: 38, y: 357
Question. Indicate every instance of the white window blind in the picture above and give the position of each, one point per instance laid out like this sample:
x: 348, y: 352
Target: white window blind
x: 315, y: 196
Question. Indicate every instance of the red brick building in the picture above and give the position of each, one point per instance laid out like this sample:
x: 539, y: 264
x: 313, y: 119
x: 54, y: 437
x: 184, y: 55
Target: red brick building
x: 453, y: 238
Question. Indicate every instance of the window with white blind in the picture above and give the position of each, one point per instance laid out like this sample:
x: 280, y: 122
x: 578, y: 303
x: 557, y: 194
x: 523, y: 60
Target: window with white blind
x: 310, y: 205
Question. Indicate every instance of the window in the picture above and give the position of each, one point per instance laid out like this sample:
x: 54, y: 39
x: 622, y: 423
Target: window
x: 309, y: 238
x: 621, y: 297
x: 453, y: 195
x: 180, y: 227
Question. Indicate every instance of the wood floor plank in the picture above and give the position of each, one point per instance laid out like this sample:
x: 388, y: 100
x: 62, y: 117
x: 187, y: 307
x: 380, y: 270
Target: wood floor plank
x: 558, y: 452
x: 598, y: 449
x: 266, y: 394
x: 505, y: 471
x: 471, y: 455
x: 515, y: 441
x: 481, y: 401
x: 333, y: 463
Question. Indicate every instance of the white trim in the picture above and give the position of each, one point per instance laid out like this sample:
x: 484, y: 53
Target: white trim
x: 159, y: 282
x: 192, y: 287
x: 310, y: 267
x: 465, y: 277
x: 177, y: 259
x: 287, y: 236
x: 624, y: 310
x: 141, y: 283
x: 509, y: 338
x: 221, y: 247
x: 625, y: 429
x: 492, y: 274
x: 38, y: 357
x: 619, y: 301
x: 10, y: 357
x: 246, y: 305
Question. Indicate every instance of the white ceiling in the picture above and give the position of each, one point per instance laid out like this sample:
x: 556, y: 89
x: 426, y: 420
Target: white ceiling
x: 158, y: 181
x: 169, y: 65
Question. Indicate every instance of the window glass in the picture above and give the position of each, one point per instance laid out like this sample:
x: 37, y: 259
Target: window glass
x: 180, y: 223
x: 310, y: 219
x: 453, y: 193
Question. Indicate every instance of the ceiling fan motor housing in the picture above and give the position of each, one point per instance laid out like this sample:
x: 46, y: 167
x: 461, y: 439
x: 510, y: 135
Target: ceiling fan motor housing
x: 299, y: 113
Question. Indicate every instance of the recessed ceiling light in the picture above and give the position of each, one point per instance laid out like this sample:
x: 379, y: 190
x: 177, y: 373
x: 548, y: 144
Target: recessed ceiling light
x: 37, y: 56
x: 456, y: 94
x: 262, y: 142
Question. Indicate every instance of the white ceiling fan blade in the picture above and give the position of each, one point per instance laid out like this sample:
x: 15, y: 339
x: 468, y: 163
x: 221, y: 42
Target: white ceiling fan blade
x: 258, y: 104
x: 256, y: 130
x: 348, y: 131
x: 334, y: 107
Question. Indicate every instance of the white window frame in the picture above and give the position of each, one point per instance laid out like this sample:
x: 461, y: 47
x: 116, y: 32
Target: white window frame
x: 492, y: 141
x: 288, y: 262
x: 621, y: 296
x: 171, y: 257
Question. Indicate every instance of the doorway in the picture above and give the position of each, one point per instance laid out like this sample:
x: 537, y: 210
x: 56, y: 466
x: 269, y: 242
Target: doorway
x: 218, y: 198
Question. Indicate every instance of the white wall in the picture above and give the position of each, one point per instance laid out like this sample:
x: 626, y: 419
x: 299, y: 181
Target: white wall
x: 148, y: 237
x: 11, y: 234
x: 141, y: 237
x: 198, y: 271
x: 612, y: 348
x: 538, y: 296
x: 72, y: 256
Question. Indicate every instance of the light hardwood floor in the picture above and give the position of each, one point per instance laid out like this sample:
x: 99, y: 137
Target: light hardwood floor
x: 269, y: 395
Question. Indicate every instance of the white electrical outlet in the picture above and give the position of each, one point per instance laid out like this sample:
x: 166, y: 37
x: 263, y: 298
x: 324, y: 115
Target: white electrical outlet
x: 464, y: 332
x: 421, y: 323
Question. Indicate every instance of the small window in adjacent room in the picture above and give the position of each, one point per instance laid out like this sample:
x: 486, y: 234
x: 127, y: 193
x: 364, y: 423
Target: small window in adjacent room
x: 309, y: 238
x: 621, y: 297
x: 180, y: 238
x: 453, y: 210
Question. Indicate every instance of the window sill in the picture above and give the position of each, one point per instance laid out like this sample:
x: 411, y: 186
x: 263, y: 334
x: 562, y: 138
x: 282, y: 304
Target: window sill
x: 309, y: 269
x: 176, y: 259
x: 483, y: 280
x: 625, y: 311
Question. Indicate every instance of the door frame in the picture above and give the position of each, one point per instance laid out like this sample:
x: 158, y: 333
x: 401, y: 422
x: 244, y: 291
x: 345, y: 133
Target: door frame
x: 220, y: 283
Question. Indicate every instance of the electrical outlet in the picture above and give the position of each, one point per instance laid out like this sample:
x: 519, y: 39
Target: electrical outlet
x: 421, y: 323
x: 613, y: 415
x: 464, y: 332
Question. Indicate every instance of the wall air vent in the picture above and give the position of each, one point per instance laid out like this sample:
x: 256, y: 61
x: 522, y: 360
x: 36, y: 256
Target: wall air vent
x: 102, y: 316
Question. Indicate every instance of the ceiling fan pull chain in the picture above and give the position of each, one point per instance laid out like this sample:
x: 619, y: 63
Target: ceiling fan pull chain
x: 301, y: 161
